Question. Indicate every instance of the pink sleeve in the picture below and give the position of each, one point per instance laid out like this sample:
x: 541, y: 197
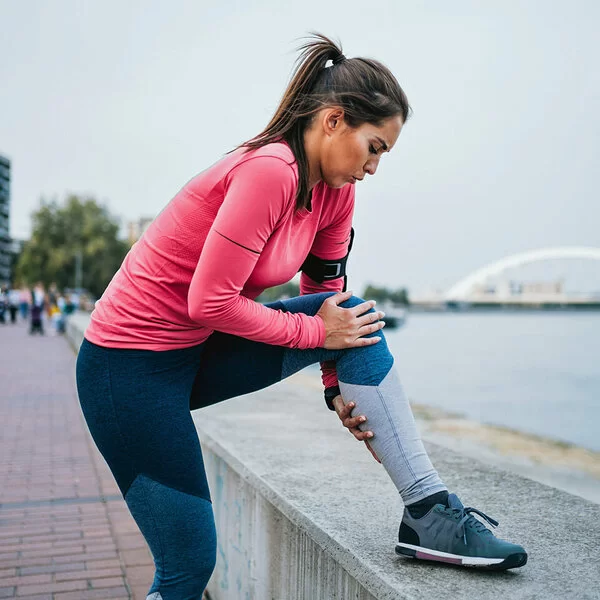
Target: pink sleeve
x: 331, y: 243
x: 258, y: 191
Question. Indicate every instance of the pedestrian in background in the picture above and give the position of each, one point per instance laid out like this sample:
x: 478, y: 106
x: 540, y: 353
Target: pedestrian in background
x: 38, y: 304
x: 13, y: 304
x: 24, y: 301
x: 3, y: 305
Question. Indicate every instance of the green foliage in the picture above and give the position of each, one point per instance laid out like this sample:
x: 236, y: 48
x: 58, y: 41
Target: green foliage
x: 287, y: 290
x: 400, y: 296
x: 381, y: 294
x: 60, y: 233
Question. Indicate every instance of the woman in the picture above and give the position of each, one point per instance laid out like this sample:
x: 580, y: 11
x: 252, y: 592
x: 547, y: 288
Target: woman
x: 178, y: 327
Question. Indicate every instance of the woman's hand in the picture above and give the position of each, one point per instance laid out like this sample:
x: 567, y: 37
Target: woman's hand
x: 346, y: 327
x: 344, y: 413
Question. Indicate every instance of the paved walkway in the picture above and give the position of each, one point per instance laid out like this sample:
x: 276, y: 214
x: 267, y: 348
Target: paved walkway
x: 65, y: 532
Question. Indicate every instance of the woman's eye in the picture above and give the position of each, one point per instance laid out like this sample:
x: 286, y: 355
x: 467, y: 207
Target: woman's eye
x: 372, y: 149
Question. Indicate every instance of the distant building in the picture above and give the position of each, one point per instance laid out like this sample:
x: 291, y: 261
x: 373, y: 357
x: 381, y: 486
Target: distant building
x: 5, y: 241
x: 543, y: 287
x: 504, y: 289
x: 135, y: 229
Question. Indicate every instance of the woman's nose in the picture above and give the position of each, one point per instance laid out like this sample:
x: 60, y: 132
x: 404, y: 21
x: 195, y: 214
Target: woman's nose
x: 371, y: 166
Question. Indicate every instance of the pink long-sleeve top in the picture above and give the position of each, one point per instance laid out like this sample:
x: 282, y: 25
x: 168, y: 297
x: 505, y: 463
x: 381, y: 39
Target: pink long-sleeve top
x: 230, y: 233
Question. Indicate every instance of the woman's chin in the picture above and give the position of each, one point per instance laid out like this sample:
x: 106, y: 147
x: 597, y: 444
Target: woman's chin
x: 337, y: 183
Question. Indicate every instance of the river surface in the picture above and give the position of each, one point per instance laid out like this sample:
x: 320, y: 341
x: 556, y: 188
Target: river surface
x: 536, y: 372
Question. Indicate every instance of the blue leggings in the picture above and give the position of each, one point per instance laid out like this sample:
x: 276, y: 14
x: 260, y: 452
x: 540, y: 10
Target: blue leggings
x: 137, y: 405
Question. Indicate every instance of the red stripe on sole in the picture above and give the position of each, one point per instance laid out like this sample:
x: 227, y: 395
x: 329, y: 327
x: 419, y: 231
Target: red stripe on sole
x: 444, y: 559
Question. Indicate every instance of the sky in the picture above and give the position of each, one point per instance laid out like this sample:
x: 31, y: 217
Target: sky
x: 127, y: 101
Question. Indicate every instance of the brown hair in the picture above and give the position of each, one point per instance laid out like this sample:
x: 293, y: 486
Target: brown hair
x: 365, y: 89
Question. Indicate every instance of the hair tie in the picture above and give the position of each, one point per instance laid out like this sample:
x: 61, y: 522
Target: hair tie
x: 338, y: 59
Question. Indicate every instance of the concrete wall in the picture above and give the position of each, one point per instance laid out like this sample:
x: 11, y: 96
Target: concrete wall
x: 76, y: 324
x: 304, y: 512
x: 261, y: 552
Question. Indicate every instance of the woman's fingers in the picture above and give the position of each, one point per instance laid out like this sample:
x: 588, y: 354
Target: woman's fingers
x: 372, y: 452
x: 340, y: 297
x: 367, y: 329
x: 364, y: 341
x: 361, y: 436
x: 366, y: 325
x: 347, y: 327
x: 344, y: 412
x: 370, y: 323
x: 353, y: 422
x: 370, y: 318
x: 348, y: 421
x: 361, y: 308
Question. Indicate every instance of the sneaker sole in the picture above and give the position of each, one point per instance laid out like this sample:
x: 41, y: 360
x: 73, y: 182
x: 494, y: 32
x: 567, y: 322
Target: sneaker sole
x: 513, y: 561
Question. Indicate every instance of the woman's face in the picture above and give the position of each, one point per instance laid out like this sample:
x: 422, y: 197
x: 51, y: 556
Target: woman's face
x: 347, y: 153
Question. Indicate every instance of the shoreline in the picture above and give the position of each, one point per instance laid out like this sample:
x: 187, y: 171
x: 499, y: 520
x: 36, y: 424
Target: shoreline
x: 565, y: 466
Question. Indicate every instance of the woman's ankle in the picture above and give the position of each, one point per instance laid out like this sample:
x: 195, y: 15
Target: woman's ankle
x: 422, y: 507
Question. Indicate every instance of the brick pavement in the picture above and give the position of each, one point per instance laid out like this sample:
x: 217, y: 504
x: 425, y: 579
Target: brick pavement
x: 65, y: 532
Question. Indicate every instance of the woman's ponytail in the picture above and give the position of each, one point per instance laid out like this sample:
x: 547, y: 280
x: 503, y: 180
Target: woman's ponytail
x: 323, y: 76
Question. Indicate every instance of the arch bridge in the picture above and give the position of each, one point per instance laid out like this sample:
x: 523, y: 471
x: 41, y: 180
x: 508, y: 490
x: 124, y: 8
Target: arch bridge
x: 463, y: 290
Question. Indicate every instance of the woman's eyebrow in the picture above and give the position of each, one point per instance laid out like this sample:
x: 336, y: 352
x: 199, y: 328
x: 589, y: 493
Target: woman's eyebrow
x: 383, y: 144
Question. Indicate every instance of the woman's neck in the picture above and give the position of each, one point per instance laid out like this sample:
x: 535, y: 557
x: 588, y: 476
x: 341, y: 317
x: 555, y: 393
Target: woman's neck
x: 311, y: 149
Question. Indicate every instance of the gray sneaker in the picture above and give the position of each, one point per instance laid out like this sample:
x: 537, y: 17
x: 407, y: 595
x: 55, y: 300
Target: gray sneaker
x: 451, y: 534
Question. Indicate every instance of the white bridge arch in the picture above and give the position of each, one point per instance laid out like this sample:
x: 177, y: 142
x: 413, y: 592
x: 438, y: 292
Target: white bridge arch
x: 461, y: 290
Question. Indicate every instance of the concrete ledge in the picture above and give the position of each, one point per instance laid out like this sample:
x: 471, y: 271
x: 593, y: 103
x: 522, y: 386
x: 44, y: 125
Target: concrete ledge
x: 303, y: 512
x: 76, y: 324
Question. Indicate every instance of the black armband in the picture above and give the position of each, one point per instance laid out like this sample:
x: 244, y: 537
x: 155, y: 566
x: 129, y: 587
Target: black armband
x: 320, y: 270
x: 330, y: 394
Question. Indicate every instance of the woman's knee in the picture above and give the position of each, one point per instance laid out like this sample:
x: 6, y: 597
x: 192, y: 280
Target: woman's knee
x: 199, y: 568
x: 365, y: 365
x: 308, y: 304
x: 185, y: 568
x: 311, y: 303
x: 354, y: 301
x: 180, y: 530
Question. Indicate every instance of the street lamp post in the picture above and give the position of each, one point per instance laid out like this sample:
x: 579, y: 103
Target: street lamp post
x: 78, y: 270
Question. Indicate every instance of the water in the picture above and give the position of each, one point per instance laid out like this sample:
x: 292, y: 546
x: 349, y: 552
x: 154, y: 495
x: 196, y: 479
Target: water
x: 534, y: 372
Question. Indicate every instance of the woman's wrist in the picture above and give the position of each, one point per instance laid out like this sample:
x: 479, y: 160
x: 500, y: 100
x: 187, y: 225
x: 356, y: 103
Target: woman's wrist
x: 323, y: 331
x: 330, y: 394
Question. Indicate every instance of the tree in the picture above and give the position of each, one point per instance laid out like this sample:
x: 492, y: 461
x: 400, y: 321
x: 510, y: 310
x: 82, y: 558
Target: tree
x: 383, y: 295
x: 79, y: 228
x: 378, y: 294
x: 288, y: 290
x: 400, y: 297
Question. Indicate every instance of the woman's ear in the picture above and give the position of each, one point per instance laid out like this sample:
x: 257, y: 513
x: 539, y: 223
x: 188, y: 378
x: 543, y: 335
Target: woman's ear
x: 333, y: 119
